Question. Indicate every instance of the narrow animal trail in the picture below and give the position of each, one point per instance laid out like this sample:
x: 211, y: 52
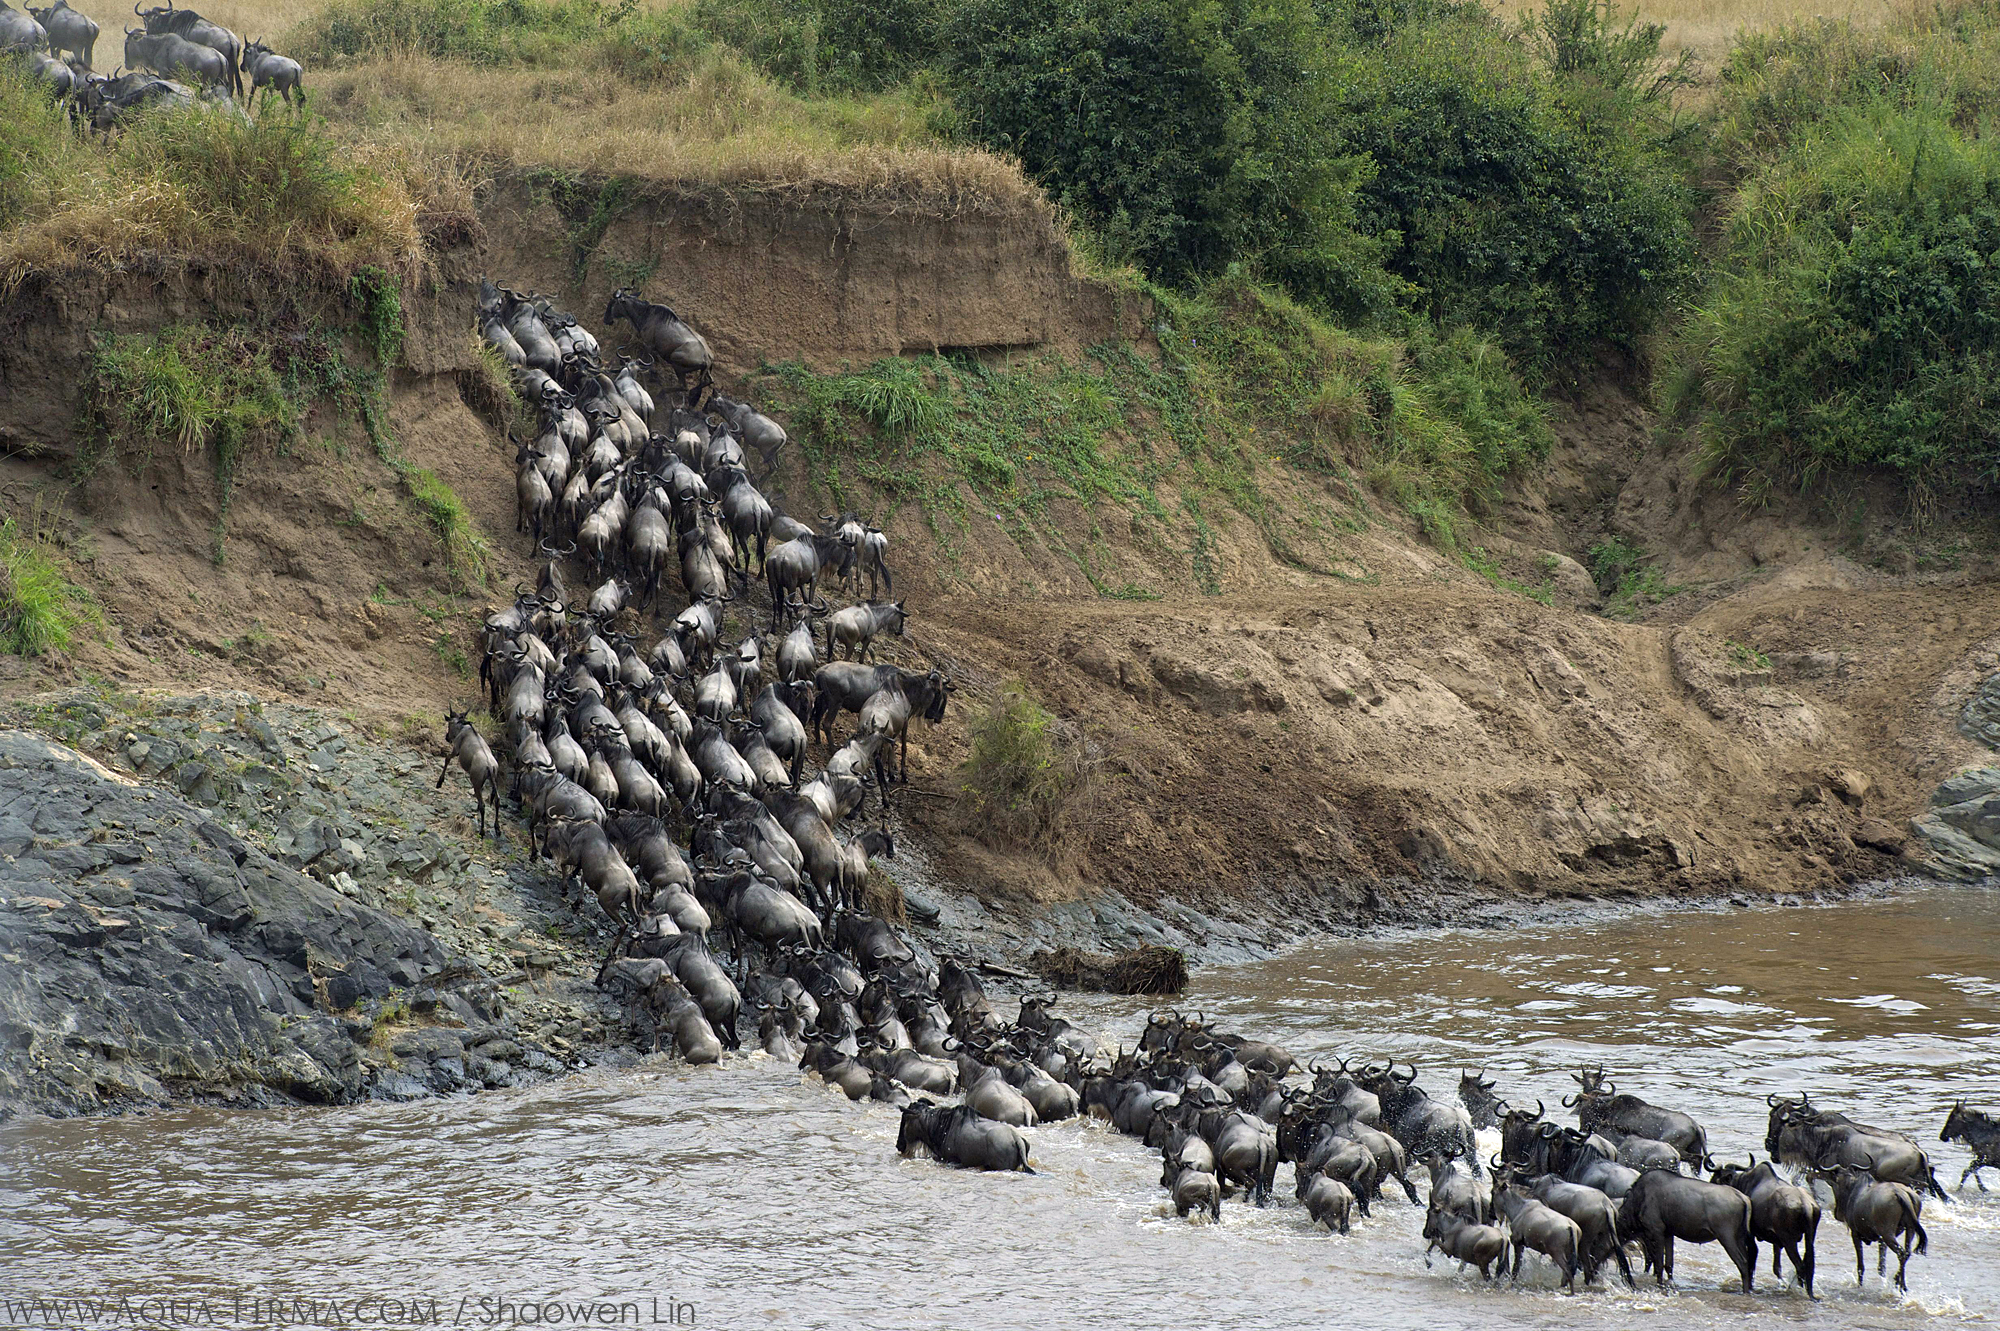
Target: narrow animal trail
x: 678, y: 758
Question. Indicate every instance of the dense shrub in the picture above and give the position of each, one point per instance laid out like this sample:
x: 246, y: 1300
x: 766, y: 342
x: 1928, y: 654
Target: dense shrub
x: 1534, y: 203
x: 1856, y: 322
x: 1189, y: 137
x: 829, y: 45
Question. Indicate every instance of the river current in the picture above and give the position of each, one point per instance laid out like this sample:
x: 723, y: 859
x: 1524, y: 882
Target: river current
x: 749, y: 1196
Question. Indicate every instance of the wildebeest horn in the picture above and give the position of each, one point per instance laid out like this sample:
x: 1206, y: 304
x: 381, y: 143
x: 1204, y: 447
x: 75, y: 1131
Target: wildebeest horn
x: 1540, y: 1110
x: 1772, y: 1099
x: 1569, y: 1101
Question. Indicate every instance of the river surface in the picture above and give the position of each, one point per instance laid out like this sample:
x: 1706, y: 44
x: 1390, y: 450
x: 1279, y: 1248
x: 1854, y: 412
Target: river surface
x: 745, y: 1196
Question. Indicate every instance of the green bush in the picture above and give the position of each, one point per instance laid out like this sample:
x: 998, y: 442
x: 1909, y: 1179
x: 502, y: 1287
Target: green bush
x: 1536, y: 204
x: 1854, y: 322
x: 466, y: 552
x: 40, y: 609
x: 1188, y: 137
x: 816, y: 46
x: 1023, y: 773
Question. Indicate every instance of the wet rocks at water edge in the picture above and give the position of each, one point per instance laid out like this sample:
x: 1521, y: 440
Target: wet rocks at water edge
x: 316, y: 932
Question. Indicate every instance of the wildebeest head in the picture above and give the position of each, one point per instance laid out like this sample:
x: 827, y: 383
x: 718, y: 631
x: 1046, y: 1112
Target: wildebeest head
x: 1782, y: 1112
x: 1476, y: 1091
x: 918, y: 1126
x: 1971, y: 1125
x: 1518, y: 1128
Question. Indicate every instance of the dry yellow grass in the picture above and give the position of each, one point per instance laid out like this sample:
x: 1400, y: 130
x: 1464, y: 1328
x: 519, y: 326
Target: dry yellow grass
x: 725, y: 125
x: 1708, y: 27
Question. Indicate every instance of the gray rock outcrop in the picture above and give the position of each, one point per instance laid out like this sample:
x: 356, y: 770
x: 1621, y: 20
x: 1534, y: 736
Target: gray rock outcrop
x: 1961, y: 830
x: 148, y: 953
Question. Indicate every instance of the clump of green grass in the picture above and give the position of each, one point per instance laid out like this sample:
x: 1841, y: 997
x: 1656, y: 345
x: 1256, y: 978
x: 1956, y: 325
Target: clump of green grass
x: 192, y: 385
x: 1743, y: 654
x: 1483, y: 562
x: 1628, y: 579
x: 466, y: 551
x: 1023, y: 777
x: 40, y: 609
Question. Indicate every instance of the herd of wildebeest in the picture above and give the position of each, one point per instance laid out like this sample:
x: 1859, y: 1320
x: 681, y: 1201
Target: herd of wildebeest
x: 673, y: 786
x: 176, y: 58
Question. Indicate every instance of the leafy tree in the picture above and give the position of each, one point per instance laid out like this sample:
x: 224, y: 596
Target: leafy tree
x: 1189, y: 136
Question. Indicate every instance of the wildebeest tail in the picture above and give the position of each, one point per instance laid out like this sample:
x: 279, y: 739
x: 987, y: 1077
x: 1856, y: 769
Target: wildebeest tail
x: 1923, y: 1238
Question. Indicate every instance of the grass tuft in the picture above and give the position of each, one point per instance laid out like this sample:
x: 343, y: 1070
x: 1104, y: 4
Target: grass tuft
x: 40, y: 609
x: 466, y: 551
x: 1024, y: 776
x: 277, y: 190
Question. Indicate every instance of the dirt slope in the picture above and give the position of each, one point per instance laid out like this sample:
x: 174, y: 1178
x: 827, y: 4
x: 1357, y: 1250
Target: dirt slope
x: 1342, y: 744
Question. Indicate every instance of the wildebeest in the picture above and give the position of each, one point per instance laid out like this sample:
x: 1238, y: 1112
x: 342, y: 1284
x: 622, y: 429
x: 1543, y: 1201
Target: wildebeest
x: 959, y: 1136
x: 662, y: 332
x: 1475, y: 1092
x: 18, y: 32
x: 1799, y: 1135
x: 69, y: 31
x: 1195, y: 1190
x: 169, y: 55
x: 1886, y: 1214
x: 1328, y: 1201
x: 1663, y: 1206
x: 481, y: 768
x: 1979, y: 1131
x: 855, y: 627
x: 1413, y: 1118
x: 272, y: 72
x: 1596, y: 1217
x: 1467, y: 1242
x: 1782, y: 1214
x: 1530, y: 1224
x: 796, y: 566
x: 1601, y: 1108
x: 187, y: 24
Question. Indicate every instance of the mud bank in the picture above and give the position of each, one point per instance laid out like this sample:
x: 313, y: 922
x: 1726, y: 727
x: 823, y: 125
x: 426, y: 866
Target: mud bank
x: 213, y: 899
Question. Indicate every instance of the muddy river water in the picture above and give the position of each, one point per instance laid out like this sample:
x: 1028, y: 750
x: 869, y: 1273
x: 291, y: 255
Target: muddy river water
x: 746, y: 1197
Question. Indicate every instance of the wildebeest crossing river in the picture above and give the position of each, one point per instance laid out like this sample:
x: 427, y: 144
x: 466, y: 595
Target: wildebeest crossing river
x: 751, y: 1196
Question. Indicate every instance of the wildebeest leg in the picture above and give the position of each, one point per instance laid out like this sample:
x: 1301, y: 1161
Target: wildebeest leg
x: 1515, y: 1276
x: 1860, y: 1263
x: 1624, y: 1263
x: 447, y: 767
x: 616, y: 943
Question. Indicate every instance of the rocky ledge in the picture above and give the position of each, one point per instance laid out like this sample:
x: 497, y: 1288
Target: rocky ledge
x: 282, y: 915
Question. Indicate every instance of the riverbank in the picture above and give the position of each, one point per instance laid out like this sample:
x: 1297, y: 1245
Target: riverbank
x: 218, y: 900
